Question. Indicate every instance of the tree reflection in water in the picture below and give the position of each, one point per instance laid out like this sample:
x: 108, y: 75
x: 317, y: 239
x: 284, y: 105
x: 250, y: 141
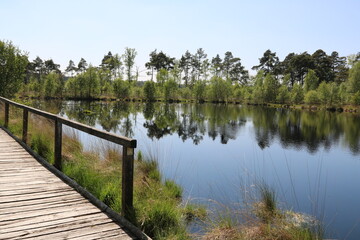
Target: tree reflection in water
x: 292, y: 128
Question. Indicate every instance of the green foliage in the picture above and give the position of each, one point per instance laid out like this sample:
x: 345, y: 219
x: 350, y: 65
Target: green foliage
x: 270, y: 88
x: 85, y: 85
x: 121, y: 88
x: 283, y: 95
x: 268, y: 202
x: 297, y: 94
x: 90, y: 86
x: 354, y: 78
x: 283, y: 82
x: 311, y: 81
x: 129, y: 61
x: 12, y: 68
x: 323, y: 92
x: 355, y: 99
x: 170, y: 89
x: 238, y: 92
x: 286, y: 80
x: 41, y: 144
x: 311, y: 97
x: 220, y: 89
x: 185, y: 93
x: 149, y: 90
x: 199, y: 90
x: 333, y: 96
x: 162, y: 76
x: 72, y: 87
x: 162, y: 219
x: 175, y: 191
x: 343, y: 94
x: 36, y: 87
x: 258, y: 94
x: 53, y: 85
x: 195, y: 211
x: 150, y: 168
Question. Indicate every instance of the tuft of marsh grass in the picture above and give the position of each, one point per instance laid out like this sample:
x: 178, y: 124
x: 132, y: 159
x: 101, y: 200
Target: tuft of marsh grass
x: 195, y: 212
x: 173, y: 189
x: 262, y: 220
x: 266, y: 208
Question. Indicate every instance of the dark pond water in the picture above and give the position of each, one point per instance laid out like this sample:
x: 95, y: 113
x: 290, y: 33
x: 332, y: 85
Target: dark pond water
x: 311, y: 158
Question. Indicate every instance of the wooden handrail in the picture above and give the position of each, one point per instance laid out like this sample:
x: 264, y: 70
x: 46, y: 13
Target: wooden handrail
x: 127, y: 143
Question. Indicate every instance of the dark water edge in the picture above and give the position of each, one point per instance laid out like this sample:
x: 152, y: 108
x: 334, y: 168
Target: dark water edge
x: 215, y: 150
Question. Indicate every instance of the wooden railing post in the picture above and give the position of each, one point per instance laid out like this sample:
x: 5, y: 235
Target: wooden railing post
x: 58, y: 144
x: 127, y: 209
x: 25, y: 125
x: 6, y: 123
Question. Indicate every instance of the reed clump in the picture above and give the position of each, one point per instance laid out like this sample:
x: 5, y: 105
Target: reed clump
x: 262, y: 220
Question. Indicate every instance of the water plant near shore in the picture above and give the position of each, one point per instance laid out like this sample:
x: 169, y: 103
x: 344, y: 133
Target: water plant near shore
x: 262, y: 220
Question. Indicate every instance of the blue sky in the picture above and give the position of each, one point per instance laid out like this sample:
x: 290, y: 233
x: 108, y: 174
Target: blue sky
x: 71, y: 29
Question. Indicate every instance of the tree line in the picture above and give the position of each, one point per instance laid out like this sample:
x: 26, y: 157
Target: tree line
x: 316, y: 78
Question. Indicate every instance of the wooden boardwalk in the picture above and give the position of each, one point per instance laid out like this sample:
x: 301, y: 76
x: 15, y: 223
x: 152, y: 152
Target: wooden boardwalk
x: 36, y: 204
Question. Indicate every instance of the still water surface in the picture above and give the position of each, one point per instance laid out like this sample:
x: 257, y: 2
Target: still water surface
x: 312, y: 159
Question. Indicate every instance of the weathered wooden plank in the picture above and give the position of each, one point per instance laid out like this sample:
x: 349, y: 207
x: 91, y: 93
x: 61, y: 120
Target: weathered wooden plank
x: 25, y: 165
x: 11, y: 192
x: 22, y: 185
x: 9, y: 186
x: 48, y: 189
x: 108, y: 235
x: 20, y: 181
x: 44, y: 175
x: 46, y: 218
x: 53, y: 200
x: 10, y: 148
x: 84, y: 208
x: 16, y: 230
x: 18, y: 173
x: 70, y: 232
x: 43, y: 206
x: 28, y: 198
x: 16, y: 169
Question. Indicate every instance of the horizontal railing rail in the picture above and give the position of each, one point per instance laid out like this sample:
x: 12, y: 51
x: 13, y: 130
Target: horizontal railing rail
x: 128, y: 145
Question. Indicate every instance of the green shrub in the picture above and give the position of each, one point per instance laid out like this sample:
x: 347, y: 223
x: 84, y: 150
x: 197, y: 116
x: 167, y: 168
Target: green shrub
x: 355, y: 99
x: 297, y: 94
x: 311, y: 97
x: 199, y: 90
x: 122, y: 88
x: 185, y: 93
x: 283, y: 95
x: 149, y: 90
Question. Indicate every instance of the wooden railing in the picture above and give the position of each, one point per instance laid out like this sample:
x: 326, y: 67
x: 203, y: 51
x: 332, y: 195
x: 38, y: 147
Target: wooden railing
x: 127, y: 144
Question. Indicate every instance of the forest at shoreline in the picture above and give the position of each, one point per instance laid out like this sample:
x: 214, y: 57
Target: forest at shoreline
x: 310, y: 79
